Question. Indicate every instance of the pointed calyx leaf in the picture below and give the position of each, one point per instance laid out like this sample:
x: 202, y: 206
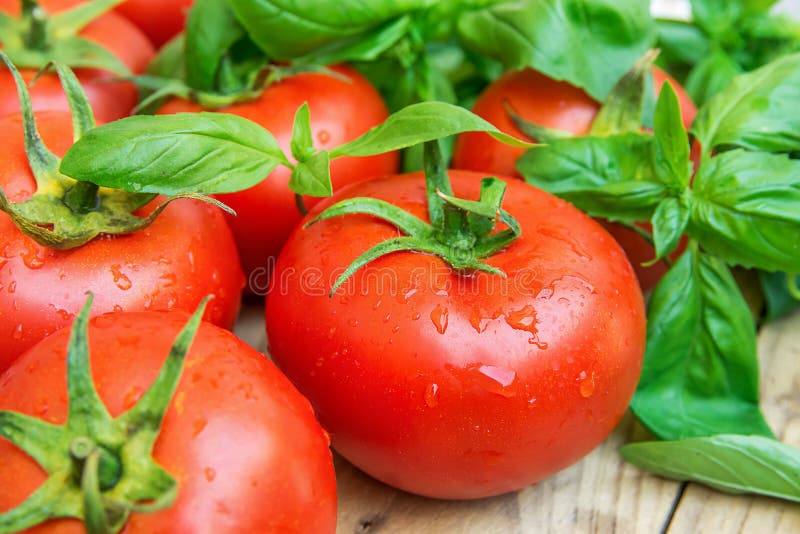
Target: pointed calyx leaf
x: 536, y: 132
x: 64, y: 213
x: 37, y: 38
x: 622, y: 109
x: 460, y: 231
x: 100, y: 469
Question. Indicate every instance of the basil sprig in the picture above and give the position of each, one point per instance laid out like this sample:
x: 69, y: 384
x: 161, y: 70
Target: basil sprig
x: 699, y: 381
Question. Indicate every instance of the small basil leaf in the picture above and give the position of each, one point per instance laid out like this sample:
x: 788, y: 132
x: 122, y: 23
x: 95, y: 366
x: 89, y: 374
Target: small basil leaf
x: 728, y: 463
x: 313, y: 176
x: 745, y: 207
x: 710, y: 75
x: 419, y: 123
x: 365, y: 47
x: 170, y: 62
x: 779, y: 299
x: 673, y: 167
x: 170, y: 154
x: 211, y: 29
x: 669, y: 223
x: 757, y: 110
x: 700, y: 373
x: 716, y: 17
x: 302, y: 143
x: 588, y: 43
x: 610, y: 177
x: 681, y: 42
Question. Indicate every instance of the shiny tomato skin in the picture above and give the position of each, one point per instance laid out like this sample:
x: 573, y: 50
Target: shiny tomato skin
x: 340, y: 111
x: 161, y: 20
x: 110, y: 100
x: 242, y: 443
x: 187, y: 253
x: 558, y: 105
x: 455, y: 386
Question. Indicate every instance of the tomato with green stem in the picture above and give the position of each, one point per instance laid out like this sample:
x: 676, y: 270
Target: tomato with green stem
x: 57, y: 238
x: 560, y: 106
x: 107, y: 40
x: 221, y: 443
x: 343, y: 105
x: 483, y: 365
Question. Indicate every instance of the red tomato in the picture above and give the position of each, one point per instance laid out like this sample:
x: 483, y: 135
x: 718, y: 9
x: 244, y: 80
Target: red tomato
x: 160, y: 20
x: 242, y: 443
x: 559, y: 105
x: 451, y: 385
x: 340, y: 111
x: 110, y: 100
x: 187, y: 253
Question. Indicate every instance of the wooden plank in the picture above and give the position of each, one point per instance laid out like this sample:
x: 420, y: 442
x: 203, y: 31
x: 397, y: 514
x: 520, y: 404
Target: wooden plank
x: 703, y: 510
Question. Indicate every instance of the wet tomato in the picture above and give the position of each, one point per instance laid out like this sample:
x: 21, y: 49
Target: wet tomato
x: 456, y: 385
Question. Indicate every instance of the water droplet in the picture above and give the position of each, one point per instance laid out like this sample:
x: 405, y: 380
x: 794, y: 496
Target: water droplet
x: 190, y: 257
x: 491, y: 378
x: 41, y: 407
x: 387, y: 317
x: 416, y: 316
x: 12, y: 286
x: 439, y: 317
x: 532, y: 403
x: 117, y: 308
x: 331, y: 332
x: 169, y: 279
x: 120, y: 279
x: 17, y: 333
x: 523, y: 319
x: 432, y: 395
x: 395, y: 330
x: 65, y: 314
x: 132, y: 397
x: 408, y: 294
x: 377, y: 304
x: 323, y: 136
x: 320, y: 361
x: 587, y: 384
x: 210, y: 473
x: 31, y: 258
x: 198, y: 426
x: 352, y: 322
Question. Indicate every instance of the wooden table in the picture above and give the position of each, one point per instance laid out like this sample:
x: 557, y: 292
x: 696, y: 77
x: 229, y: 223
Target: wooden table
x: 598, y: 494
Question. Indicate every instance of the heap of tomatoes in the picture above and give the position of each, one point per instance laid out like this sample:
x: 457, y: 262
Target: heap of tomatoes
x: 438, y: 367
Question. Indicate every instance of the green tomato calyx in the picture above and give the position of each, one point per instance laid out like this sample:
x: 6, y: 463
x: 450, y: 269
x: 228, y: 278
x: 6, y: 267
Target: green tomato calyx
x: 100, y: 468
x: 461, y: 232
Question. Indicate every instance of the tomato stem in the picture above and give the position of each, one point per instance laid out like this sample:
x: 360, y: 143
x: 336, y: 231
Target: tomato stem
x: 82, y: 197
x: 36, y: 17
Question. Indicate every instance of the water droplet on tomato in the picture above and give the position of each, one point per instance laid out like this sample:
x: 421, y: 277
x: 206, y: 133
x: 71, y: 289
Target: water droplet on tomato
x: 210, y: 473
x: 504, y: 378
x: 132, y: 397
x: 323, y: 136
x: 352, y: 322
x: 117, y: 308
x: 387, y: 317
x: 406, y: 296
x: 190, y: 257
x: 168, y: 279
x: 65, y: 314
x: 198, y: 426
x: 395, y: 330
x: 377, y: 304
x: 41, y: 407
x: 320, y: 361
x: 416, y: 316
x: 587, y: 385
x: 532, y: 403
x: 12, y: 286
x: 121, y: 280
x: 331, y: 332
x: 17, y: 333
x: 31, y: 257
x: 432, y: 395
x: 439, y: 317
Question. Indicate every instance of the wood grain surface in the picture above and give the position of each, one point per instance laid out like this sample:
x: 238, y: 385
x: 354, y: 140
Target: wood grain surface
x: 598, y: 494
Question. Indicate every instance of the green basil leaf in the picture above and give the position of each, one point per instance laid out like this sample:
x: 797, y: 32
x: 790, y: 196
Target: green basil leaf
x: 681, y: 42
x: 362, y: 47
x: 313, y: 176
x: 728, y: 463
x: 669, y: 223
x: 588, y: 43
x: 211, y: 29
x: 673, y: 167
x: 170, y: 62
x: 757, y: 110
x: 623, y: 108
x: 419, y: 123
x: 302, y: 143
x: 288, y: 29
x: 700, y: 373
x: 716, y: 17
x: 77, y: 52
x: 170, y: 154
x: 745, y: 207
x: 73, y: 20
x: 711, y: 75
x: 611, y: 177
x: 779, y: 298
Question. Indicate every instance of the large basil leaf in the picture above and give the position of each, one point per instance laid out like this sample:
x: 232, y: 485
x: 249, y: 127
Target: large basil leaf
x: 711, y: 75
x: 729, y: 463
x: 287, y: 29
x: 211, y: 30
x: 757, y: 110
x: 612, y: 177
x: 170, y: 154
x: 588, y: 43
x: 779, y: 298
x: 700, y: 373
x: 745, y: 207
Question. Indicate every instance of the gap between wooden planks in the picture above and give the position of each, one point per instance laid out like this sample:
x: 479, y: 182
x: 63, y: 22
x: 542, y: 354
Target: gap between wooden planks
x: 598, y: 494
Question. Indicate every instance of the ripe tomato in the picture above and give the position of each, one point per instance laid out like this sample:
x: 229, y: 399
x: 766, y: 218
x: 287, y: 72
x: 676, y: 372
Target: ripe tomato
x: 558, y: 105
x: 340, y: 111
x: 242, y: 443
x: 451, y: 385
x: 110, y: 100
x: 160, y: 20
x: 187, y: 253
